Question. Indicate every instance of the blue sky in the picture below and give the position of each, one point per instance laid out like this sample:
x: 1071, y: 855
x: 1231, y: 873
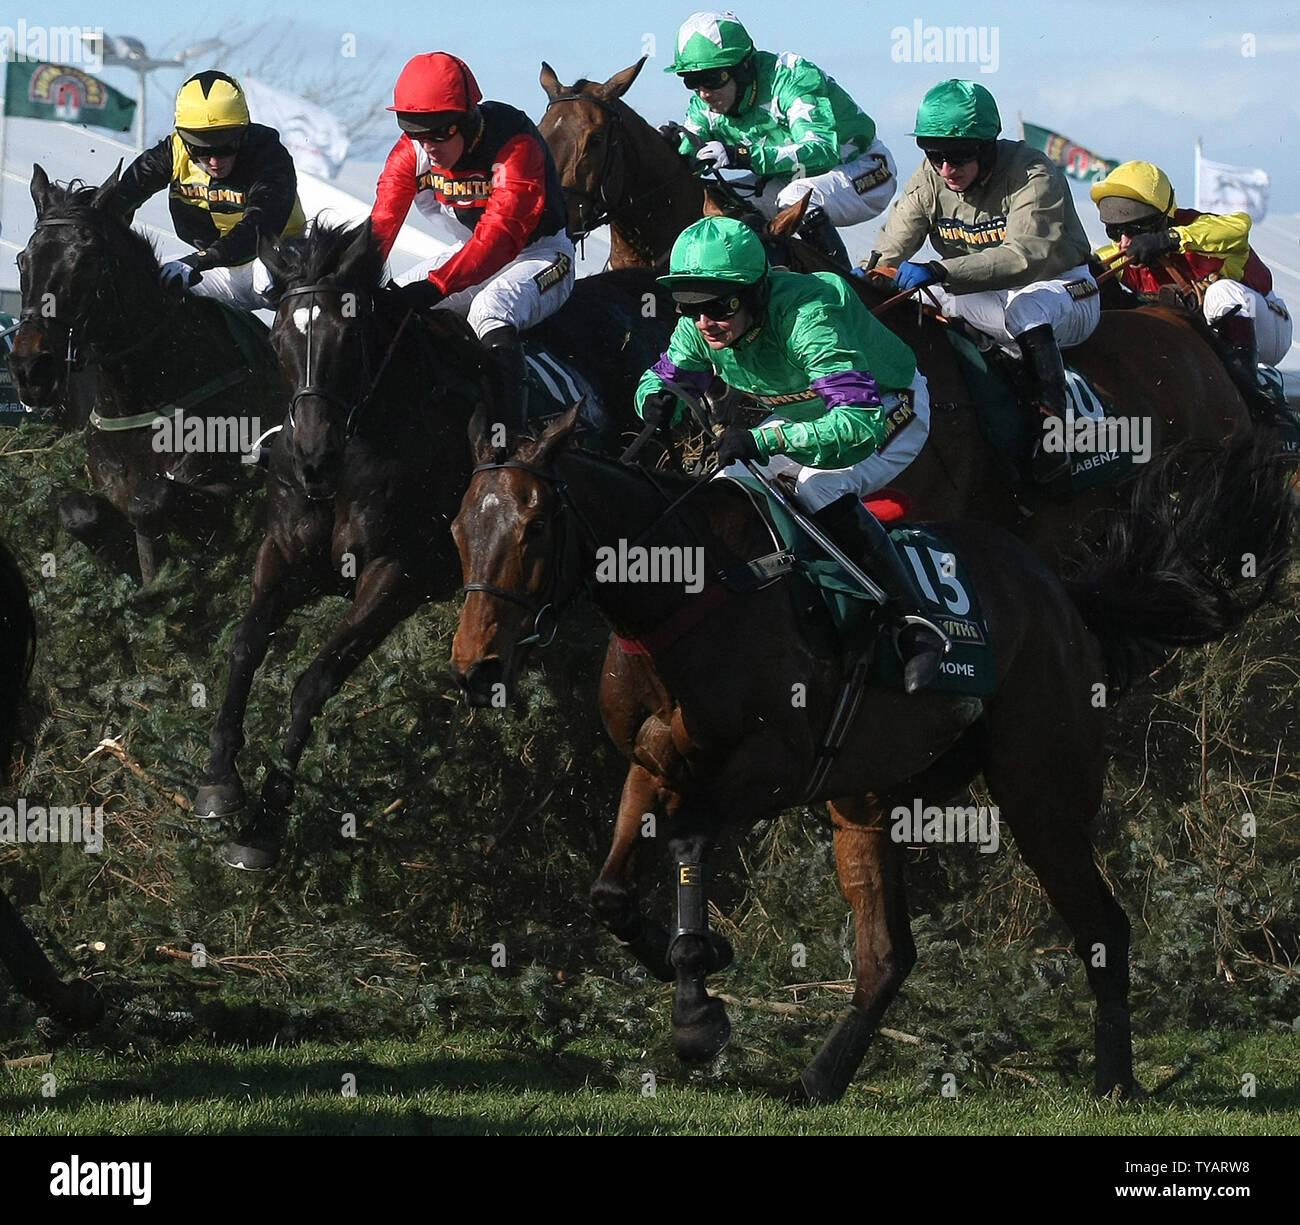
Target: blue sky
x: 1128, y: 80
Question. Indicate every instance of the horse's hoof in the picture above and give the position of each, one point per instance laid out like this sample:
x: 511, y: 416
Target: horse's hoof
x: 82, y: 1007
x: 793, y: 1094
x: 251, y: 852
x: 702, y: 1041
x: 226, y: 799
x: 1119, y: 1090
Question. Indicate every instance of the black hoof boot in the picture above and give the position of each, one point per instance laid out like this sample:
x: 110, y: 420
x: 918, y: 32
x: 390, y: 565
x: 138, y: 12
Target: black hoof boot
x: 1114, y: 1046
x: 702, y: 1038
x: 251, y: 850
x: 224, y: 799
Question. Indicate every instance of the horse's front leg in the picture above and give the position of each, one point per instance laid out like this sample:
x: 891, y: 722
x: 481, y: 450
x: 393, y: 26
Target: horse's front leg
x: 645, y: 799
x: 385, y: 597
x: 700, y: 1025
x: 279, y: 586
x: 160, y: 506
x: 103, y: 529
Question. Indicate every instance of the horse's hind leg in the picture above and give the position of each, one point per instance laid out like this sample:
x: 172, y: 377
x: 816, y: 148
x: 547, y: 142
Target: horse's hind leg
x: 385, y: 598
x: 1046, y: 794
x: 103, y: 529
x: 279, y: 587
x: 77, y: 1003
x: 871, y: 879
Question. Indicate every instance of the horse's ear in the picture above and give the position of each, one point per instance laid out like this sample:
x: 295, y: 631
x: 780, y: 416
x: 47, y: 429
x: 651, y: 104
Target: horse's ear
x: 551, y: 83
x: 787, y: 222
x: 480, y: 447
x: 556, y: 435
x: 357, y: 249
x: 103, y: 196
x: 711, y: 206
x: 621, y: 82
x: 268, y: 251
x: 41, y: 190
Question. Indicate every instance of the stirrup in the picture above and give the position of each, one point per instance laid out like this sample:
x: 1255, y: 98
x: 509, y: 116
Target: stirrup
x: 923, y: 623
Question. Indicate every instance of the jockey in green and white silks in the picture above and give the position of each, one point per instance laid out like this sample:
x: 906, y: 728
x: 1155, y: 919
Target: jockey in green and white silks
x: 1014, y: 255
x: 850, y: 408
x: 784, y: 119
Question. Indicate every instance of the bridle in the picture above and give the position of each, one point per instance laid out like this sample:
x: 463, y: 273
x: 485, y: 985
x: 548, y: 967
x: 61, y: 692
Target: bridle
x: 606, y: 209
x: 99, y: 303
x: 308, y: 387
x: 557, y: 601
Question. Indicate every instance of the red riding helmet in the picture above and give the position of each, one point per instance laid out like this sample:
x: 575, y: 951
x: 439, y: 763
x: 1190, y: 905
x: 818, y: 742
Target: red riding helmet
x: 434, y: 84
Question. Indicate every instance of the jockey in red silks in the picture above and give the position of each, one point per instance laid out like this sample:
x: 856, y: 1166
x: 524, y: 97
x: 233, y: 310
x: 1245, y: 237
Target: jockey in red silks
x: 485, y: 166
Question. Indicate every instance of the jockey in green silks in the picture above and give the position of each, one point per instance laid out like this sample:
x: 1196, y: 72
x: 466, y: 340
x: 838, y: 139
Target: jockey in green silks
x: 850, y: 410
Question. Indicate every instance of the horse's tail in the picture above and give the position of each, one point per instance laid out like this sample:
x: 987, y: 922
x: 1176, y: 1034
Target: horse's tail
x: 17, y: 651
x: 1203, y: 542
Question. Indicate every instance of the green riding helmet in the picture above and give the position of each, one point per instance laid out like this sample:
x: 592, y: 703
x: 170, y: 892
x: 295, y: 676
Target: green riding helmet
x: 957, y: 110
x: 712, y: 255
x: 711, y: 40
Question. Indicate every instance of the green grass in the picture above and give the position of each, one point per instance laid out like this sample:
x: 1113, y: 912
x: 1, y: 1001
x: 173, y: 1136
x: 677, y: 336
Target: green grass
x: 493, y: 1083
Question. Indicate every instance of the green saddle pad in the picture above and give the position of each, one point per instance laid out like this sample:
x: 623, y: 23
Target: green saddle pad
x: 942, y: 578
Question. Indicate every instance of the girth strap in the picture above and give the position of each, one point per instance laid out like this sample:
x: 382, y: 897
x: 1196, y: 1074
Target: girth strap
x: 142, y: 420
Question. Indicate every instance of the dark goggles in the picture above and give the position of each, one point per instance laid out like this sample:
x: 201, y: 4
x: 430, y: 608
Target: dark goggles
x: 1131, y: 229
x: 717, y: 309
x: 954, y: 157
x: 439, y: 135
x: 708, y: 78
x: 201, y: 152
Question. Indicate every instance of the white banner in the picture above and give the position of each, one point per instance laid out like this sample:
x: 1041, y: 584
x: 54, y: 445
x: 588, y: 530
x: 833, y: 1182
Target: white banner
x: 315, y: 138
x: 1221, y: 188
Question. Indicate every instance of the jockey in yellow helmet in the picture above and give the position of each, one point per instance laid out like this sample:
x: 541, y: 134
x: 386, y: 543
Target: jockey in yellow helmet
x: 230, y: 182
x: 1137, y: 206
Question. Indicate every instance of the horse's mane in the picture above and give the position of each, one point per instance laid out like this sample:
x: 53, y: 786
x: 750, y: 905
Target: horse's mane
x: 75, y: 200
x: 317, y: 253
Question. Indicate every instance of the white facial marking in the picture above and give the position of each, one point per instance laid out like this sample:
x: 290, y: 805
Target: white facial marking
x: 490, y: 502
x: 300, y: 318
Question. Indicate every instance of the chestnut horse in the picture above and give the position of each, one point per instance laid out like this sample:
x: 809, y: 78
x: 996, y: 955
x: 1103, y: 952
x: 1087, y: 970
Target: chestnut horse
x: 702, y: 707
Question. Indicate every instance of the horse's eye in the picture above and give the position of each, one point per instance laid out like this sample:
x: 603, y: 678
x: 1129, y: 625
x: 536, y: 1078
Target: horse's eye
x: 534, y: 527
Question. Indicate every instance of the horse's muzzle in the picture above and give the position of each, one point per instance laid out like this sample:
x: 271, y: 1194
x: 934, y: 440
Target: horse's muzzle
x: 36, y: 370
x: 485, y: 683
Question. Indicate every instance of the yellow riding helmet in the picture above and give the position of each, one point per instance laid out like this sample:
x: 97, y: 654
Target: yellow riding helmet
x: 1133, y: 191
x: 210, y: 104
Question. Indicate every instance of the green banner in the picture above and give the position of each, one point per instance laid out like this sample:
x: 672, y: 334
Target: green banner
x: 1078, y: 162
x: 35, y: 90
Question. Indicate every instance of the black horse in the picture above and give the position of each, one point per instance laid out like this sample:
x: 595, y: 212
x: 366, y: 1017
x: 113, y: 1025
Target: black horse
x: 369, y: 470
x: 181, y: 385
x: 77, y: 1003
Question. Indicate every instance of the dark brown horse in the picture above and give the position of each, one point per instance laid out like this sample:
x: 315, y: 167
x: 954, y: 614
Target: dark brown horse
x: 703, y: 707
x: 176, y: 396
x: 77, y: 1004
x: 367, y: 474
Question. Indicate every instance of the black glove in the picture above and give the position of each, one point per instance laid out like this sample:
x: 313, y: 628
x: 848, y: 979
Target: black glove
x: 737, y: 444
x: 659, y: 409
x: 1145, y: 247
x: 420, y: 295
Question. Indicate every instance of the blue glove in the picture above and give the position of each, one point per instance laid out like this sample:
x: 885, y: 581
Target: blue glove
x: 177, y: 275
x: 913, y: 276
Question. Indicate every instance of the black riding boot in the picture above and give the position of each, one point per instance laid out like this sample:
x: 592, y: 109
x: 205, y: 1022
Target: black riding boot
x: 508, y: 404
x: 1240, y: 355
x: 817, y: 230
x: 858, y: 532
x: 1047, y: 370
